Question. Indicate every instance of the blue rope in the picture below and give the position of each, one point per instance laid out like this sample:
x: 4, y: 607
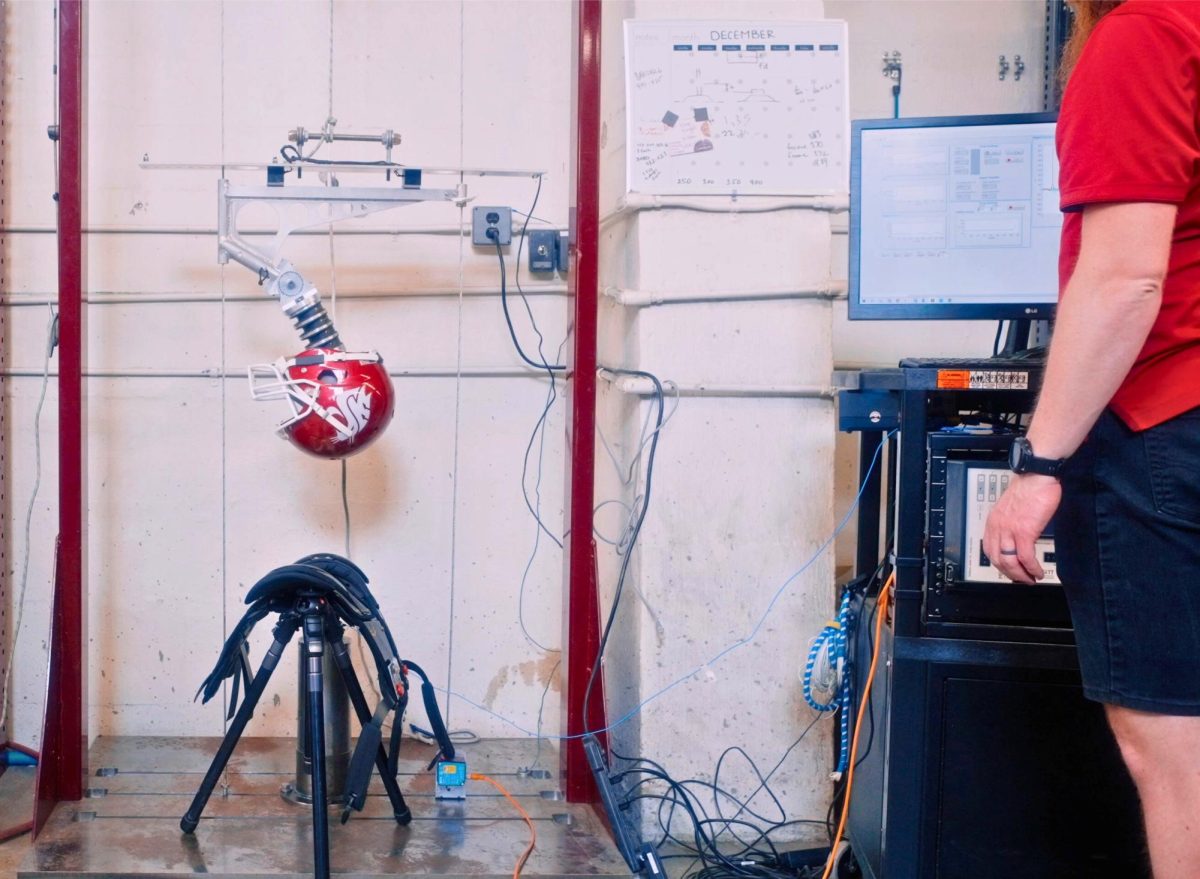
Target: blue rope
x: 833, y: 641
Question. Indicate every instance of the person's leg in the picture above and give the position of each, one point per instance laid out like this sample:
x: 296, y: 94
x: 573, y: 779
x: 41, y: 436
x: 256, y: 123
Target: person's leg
x: 1163, y: 755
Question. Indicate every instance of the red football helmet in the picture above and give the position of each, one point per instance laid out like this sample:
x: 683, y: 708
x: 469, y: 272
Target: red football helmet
x: 340, y: 401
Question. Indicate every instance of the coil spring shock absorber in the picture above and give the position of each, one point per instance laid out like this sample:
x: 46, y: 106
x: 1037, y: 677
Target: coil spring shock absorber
x: 308, y: 315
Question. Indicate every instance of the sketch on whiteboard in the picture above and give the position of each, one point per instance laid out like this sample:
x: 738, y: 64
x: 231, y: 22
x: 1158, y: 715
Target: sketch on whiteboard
x: 747, y: 108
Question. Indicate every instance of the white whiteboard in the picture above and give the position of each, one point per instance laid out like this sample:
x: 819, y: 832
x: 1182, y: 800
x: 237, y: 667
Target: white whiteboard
x: 747, y: 108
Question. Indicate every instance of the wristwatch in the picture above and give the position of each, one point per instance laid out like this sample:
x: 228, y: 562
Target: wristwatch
x: 1021, y: 459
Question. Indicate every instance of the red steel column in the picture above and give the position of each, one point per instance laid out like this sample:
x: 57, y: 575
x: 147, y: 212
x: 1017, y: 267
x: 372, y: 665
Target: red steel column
x: 64, y: 736
x: 582, y: 606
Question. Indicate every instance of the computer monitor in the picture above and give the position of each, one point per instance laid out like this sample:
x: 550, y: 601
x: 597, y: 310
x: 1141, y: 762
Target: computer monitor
x: 954, y: 217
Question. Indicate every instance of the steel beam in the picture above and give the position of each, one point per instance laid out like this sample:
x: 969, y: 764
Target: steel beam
x: 582, y: 608
x: 7, y: 604
x: 64, y: 733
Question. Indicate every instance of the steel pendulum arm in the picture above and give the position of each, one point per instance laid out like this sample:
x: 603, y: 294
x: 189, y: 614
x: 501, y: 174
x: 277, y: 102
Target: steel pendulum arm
x: 284, y: 631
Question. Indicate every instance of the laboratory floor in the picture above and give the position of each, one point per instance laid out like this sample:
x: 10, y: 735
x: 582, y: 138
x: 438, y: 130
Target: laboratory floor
x: 129, y: 824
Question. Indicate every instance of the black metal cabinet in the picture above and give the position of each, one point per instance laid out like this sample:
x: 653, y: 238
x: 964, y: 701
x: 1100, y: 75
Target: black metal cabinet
x: 982, y: 760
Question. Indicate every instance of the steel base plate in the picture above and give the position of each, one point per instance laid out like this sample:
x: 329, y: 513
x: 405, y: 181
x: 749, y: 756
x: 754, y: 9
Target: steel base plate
x: 249, y: 831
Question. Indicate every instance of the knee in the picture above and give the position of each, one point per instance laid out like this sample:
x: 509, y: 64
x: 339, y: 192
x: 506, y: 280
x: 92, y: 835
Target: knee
x: 1154, y: 747
x: 1136, y: 751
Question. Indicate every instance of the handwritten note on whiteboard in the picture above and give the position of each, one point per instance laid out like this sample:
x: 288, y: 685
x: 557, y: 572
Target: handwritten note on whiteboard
x: 752, y: 108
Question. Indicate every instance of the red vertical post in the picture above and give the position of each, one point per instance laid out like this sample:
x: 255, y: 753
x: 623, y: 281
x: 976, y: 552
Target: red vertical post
x: 64, y: 733
x: 582, y: 608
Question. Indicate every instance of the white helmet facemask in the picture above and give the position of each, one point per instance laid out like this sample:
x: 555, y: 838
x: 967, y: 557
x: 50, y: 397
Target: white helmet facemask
x: 270, y: 381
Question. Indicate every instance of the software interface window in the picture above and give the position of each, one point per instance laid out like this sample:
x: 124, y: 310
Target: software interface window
x: 959, y: 215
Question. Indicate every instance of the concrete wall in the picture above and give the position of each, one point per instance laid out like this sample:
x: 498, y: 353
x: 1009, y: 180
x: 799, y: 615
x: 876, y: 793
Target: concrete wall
x: 742, y: 486
x: 192, y: 497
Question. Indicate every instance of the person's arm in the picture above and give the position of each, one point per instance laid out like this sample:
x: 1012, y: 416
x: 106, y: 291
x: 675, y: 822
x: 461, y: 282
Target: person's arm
x: 1109, y: 306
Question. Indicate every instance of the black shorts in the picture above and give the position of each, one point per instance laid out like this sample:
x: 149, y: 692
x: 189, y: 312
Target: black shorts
x: 1128, y: 550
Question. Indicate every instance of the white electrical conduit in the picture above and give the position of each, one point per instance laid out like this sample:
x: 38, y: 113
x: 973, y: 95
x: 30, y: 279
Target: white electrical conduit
x: 99, y: 298
x: 825, y: 290
x: 632, y: 202
x: 442, y: 229
x: 645, y: 388
x: 240, y: 375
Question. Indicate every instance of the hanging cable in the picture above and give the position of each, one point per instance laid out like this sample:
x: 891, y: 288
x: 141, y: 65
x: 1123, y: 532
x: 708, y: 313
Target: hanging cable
x: 880, y: 618
x: 538, y: 433
x: 51, y: 344
x: 737, y: 644
x: 504, y: 294
x: 637, y: 529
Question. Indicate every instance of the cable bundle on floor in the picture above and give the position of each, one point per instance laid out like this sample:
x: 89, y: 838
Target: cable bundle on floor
x: 720, y: 846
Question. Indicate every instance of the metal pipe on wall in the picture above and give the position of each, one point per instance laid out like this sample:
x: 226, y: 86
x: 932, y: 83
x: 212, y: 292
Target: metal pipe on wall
x: 633, y: 202
x: 102, y: 298
x: 824, y: 291
x: 643, y: 387
x: 240, y: 375
x: 445, y: 229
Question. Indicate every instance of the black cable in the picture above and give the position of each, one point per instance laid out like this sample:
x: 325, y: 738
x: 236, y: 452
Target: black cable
x: 996, y: 341
x: 295, y: 158
x: 764, y: 781
x: 540, y: 425
x: 633, y: 536
x: 551, y: 396
x: 840, y: 789
x: 557, y: 367
x: 757, y: 858
x: 537, y: 193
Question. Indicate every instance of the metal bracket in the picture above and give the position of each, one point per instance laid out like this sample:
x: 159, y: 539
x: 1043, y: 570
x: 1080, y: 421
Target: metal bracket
x: 302, y: 207
x: 1004, y: 68
x: 1018, y: 68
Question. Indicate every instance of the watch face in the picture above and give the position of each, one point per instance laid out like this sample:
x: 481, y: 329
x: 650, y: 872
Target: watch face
x: 1016, y: 453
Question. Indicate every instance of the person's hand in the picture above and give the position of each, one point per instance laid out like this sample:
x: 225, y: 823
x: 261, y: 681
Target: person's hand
x: 1017, y: 521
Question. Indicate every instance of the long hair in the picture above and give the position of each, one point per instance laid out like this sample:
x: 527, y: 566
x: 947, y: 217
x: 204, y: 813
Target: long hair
x: 1087, y: 14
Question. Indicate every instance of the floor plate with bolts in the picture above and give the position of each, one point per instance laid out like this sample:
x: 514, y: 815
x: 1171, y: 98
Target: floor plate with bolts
x: 133, y: 829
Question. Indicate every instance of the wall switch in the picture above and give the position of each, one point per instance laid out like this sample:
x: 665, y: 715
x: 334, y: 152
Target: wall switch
x: 543, y: 250
x: 485, y: 218
x: 564, y: 252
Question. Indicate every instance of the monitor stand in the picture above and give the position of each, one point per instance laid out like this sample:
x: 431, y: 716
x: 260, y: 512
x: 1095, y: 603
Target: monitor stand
x: 1026, y: 339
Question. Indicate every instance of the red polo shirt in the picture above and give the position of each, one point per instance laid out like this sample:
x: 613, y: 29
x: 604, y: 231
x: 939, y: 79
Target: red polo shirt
x: 1128, y: 132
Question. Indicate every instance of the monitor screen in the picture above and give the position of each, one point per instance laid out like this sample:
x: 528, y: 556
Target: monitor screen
x: 954, y: 217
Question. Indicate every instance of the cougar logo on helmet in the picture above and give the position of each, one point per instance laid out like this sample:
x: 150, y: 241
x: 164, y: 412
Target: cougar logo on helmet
x: 355, y: 407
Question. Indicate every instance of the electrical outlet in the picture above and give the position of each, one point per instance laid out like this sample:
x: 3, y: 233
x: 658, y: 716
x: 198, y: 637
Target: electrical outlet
x: 484, y: 219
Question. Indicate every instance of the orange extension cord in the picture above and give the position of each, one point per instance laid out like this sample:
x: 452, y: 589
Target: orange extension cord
x: 880, y: 615
x: 479, y: 776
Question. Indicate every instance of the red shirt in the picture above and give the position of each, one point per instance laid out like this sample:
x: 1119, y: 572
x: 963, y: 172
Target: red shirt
x: 1128, y: 132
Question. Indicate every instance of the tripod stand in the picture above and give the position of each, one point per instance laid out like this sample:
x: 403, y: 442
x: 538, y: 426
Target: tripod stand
x: 309, y: 612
